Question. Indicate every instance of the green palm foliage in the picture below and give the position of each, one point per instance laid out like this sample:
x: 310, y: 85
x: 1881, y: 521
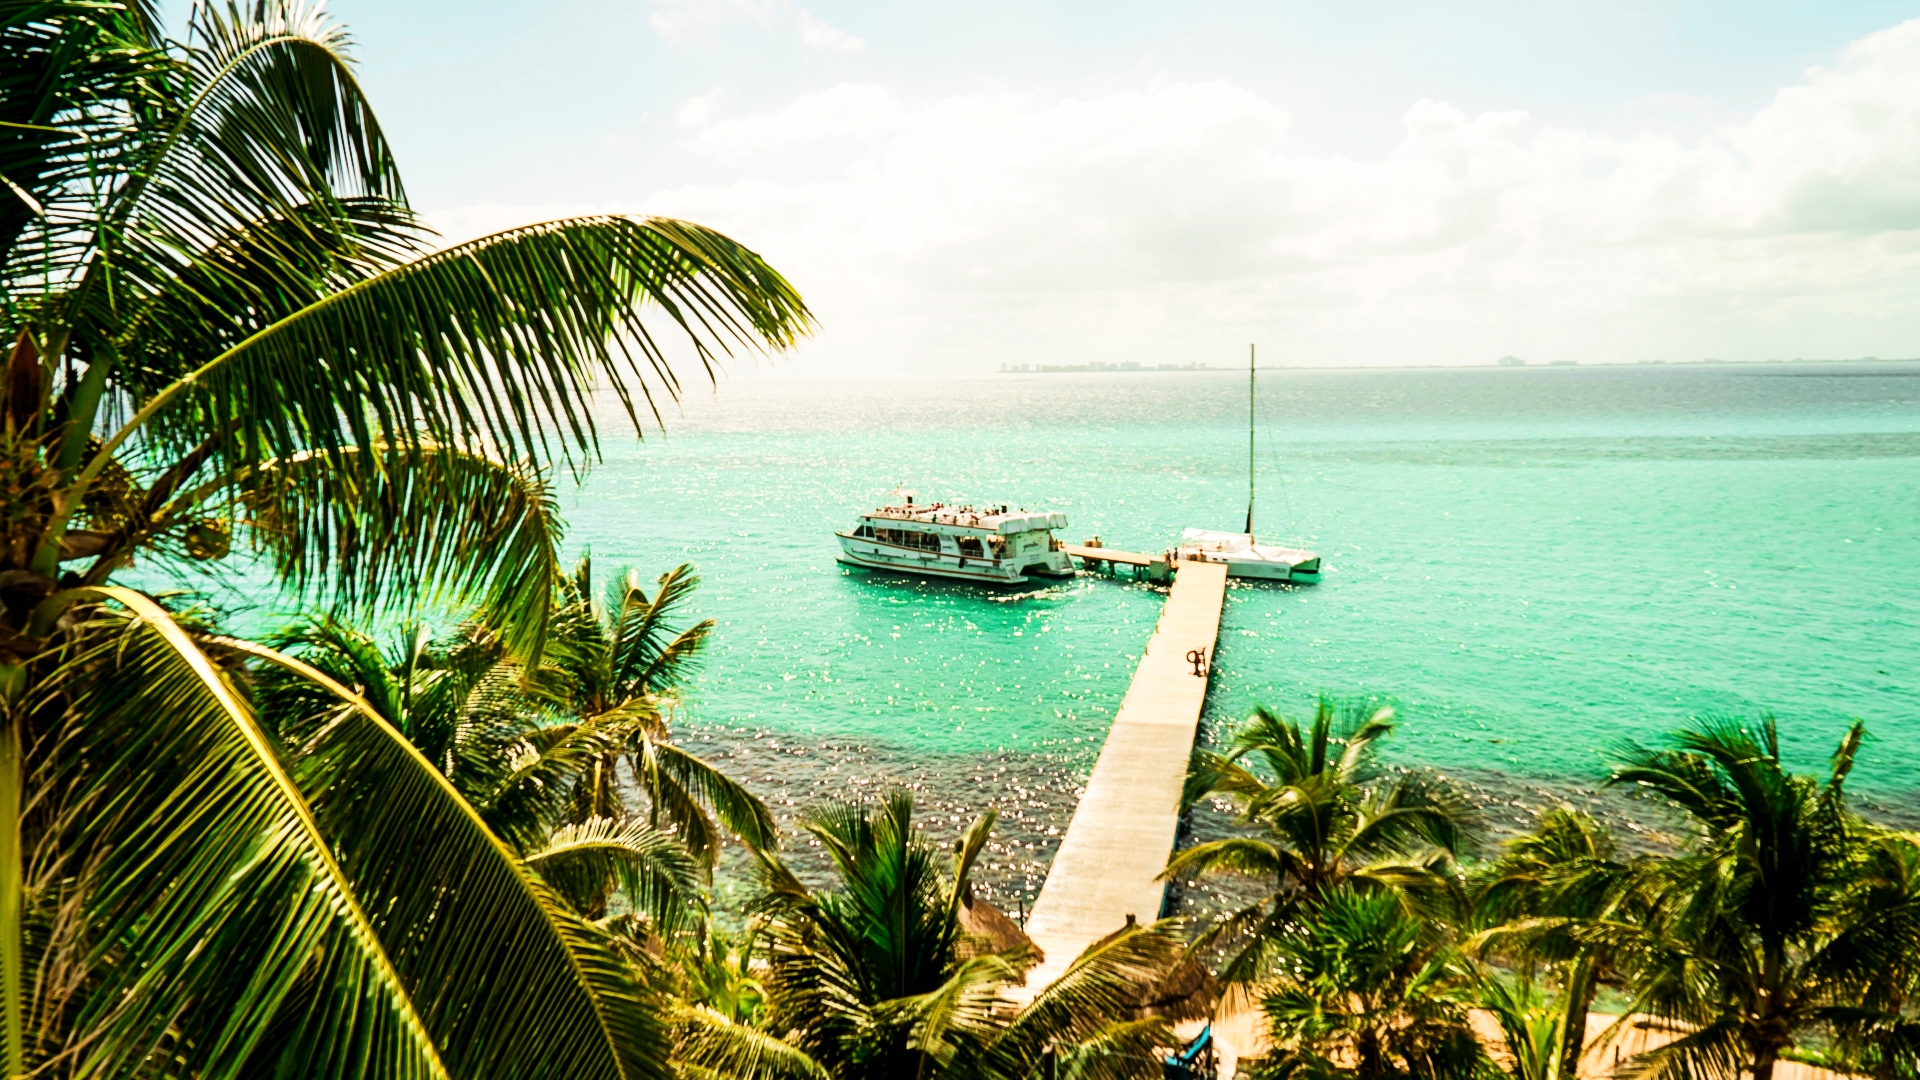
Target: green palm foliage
x: 1543, y: 890
x: 1877, y: 1015
x: 879, y: 978
x: 1365, y: 988
x: 1326, y: 816
x: 222, y: 326
x: 615, y: 666
x: 1534, y: 1026
x: 1756, y: 927
x: 466, y: 707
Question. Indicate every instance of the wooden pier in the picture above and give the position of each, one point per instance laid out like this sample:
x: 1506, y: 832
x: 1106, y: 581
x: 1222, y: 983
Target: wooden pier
x: 1104, y: 560
x: 1123, y: 829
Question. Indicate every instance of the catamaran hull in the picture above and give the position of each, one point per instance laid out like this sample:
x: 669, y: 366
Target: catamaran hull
x: 1260, y: 569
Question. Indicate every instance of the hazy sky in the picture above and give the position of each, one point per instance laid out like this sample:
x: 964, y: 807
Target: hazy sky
x: 960, y: 185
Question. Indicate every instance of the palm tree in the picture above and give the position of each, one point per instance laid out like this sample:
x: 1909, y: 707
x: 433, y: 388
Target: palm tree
x: 1537, y: 897
x: 615, y: 667
x: 1327, y: 818
x: 882, y: 978
x: 222, y: 324
x: 1754, y: 929
x: 1363, y: 987
x: 1876, y: 1015
x: 534, y: 777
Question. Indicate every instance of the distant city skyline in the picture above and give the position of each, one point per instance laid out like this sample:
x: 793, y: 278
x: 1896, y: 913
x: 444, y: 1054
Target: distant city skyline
x: 954, y: 189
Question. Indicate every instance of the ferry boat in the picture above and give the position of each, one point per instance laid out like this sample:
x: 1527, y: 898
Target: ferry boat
x: 1244, y: 557
x: 995, y: 544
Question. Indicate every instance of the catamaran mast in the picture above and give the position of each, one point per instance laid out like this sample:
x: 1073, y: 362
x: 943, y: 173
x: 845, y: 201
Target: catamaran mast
x: 1249, y: 443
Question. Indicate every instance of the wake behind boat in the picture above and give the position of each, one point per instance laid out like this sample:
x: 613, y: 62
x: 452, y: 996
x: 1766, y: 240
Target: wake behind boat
x: 1245, y: 557
x: 994, y: 544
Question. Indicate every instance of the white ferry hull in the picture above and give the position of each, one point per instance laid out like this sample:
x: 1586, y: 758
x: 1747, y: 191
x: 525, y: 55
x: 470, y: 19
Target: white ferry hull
x: 872, y: 555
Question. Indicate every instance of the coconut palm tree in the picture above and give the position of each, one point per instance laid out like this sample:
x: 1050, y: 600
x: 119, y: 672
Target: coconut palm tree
x: 532, y: 775
x: 1364, y: 987
x: 615, y: 667
x: 223, y: 326
x: 1755, y: 928
x: 882, y: 976
x: 1876, y: 1015
x: 1327, y: 816
x: 1535, y: 899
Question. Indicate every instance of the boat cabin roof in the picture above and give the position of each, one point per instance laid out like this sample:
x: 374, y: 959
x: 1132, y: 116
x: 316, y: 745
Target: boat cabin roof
x: 993, y: 519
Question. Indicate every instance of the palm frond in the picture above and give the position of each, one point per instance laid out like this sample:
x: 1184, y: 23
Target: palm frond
x: 521, y: 986
x: 220, y: 878
x: 709, y: 1044
x: 656, y: 873
x: 490, y: 346
x: 400, y: 524
x: 648, y: 655
x: 1103, y: 983
x: 740, y: 810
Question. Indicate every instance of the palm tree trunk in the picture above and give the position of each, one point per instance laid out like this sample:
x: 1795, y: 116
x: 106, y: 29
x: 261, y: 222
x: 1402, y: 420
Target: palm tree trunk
x: 1370, y: 1065
x: 12, y: 992
x: 1763, y: 1059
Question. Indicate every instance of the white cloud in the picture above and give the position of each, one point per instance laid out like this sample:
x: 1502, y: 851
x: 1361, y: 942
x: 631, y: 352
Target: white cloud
x: 1168, y: 223
x: 680, y: 21
x: 816, y: 34
x: 848, y: 111
x: 699, y: 110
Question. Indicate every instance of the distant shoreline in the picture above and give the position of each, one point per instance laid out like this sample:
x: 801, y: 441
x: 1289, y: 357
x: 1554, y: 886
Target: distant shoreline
x: 1141, y: 369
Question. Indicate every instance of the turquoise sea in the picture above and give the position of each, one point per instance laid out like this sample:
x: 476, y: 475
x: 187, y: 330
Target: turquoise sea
x: 1527, y: 564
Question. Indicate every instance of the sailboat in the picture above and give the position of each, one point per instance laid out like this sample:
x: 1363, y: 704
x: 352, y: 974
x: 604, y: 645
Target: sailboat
x: 1245, y: 557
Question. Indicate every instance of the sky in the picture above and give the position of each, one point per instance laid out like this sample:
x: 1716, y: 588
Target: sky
x: 957, y: 186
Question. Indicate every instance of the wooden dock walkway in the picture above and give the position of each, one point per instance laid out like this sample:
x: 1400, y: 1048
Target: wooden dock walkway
x: 1113, y: 555
x: 1123, y: 829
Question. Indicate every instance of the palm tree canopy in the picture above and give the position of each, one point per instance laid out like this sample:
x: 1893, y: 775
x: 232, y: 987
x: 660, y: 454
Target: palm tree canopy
x: 223, y: 319
x: 221, y: 324
x: 1746, y: 925
x: 1323, y: 814
x: 879, y: 978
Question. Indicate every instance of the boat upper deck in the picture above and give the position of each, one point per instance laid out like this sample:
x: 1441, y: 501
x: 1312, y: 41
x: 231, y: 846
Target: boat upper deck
x: 992, y: 519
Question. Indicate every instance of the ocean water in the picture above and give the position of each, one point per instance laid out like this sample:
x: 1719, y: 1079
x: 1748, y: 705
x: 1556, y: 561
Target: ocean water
x: 1528, y: 564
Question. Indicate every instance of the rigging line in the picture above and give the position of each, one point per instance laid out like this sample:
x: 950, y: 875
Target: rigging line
x: 1286, y: 497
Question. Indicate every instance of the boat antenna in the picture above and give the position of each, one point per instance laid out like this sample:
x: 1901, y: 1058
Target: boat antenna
x: 1249, y: 443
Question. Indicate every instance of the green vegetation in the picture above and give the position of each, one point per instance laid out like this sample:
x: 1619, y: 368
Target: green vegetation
x: 224, y: 328
x: 1782, y: 924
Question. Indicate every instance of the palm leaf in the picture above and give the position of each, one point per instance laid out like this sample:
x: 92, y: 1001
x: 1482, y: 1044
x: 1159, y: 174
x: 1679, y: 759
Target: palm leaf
x: 710, y: 1045
x: 1104, y: 982
x: 656, y: 872
x: 520, y: 986
x: 497, y: 341
x: 219, y: 878
x: 442, y: 524
x: 743, y: 813
x: 648, y: 656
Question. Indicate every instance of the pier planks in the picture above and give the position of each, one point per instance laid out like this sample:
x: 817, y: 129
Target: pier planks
x: 1100, y: 554
x: 1123, y: 829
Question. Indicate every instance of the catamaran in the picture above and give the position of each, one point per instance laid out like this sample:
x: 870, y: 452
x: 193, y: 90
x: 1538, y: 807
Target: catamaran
x: 1245, y: 558
x: 995, y: 544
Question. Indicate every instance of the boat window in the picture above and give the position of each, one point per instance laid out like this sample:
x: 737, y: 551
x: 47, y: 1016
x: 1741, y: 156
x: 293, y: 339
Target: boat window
x: 970, y: 546
x: 864, y: 530
x: 998, y: 545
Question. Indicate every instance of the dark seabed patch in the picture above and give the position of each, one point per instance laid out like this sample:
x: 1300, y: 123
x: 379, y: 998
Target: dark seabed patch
x: 1035, y: 794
